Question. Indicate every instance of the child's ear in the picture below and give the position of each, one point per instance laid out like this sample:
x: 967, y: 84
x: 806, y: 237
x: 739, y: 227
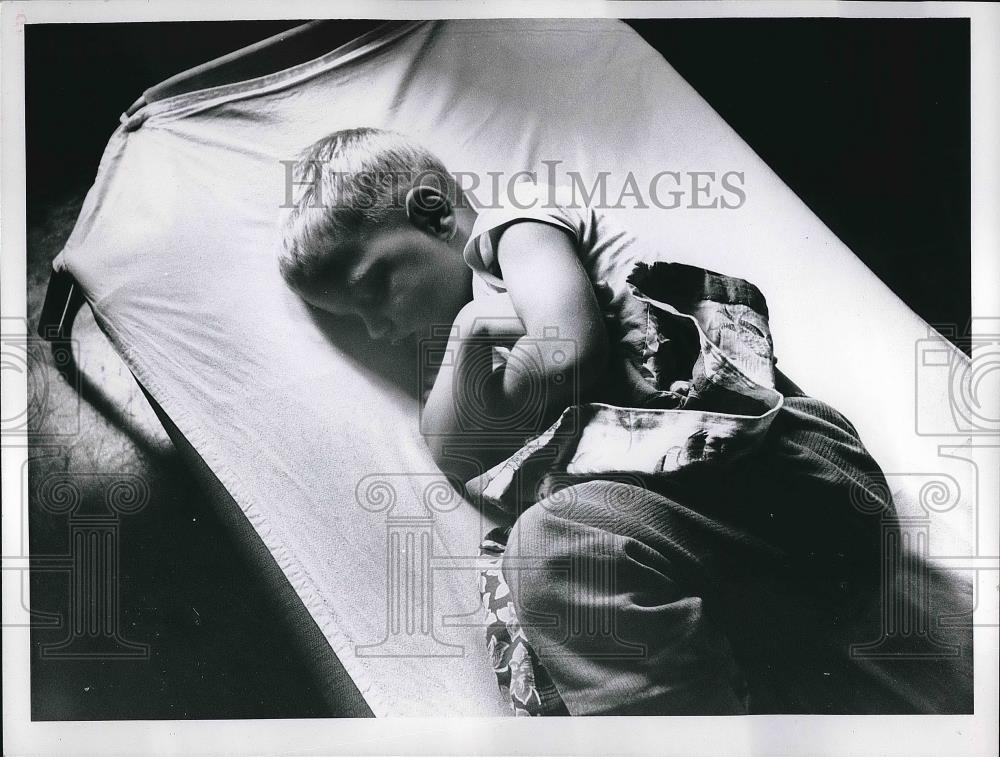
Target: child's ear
x: 430, y: 210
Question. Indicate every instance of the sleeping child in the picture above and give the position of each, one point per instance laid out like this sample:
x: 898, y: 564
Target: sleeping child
x: 569, y: 360
x: 548, y: 312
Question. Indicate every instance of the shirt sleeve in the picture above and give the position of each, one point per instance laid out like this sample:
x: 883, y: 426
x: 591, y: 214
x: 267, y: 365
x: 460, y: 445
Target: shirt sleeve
x: 525, y: 201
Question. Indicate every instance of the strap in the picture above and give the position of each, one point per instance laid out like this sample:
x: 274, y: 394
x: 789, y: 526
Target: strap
x: 63, y: 300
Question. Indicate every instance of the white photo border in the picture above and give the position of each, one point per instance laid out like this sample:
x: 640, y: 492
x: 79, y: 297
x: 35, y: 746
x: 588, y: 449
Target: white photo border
x: 814, y: 735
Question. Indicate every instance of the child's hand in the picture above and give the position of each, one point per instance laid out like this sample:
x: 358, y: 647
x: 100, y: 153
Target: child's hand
x: 492, y: 318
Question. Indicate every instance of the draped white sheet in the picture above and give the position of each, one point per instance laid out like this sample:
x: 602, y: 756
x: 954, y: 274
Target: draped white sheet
x: 308, y: 427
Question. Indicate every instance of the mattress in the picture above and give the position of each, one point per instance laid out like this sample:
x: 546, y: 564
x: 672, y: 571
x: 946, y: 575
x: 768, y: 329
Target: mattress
x: 312, y: 432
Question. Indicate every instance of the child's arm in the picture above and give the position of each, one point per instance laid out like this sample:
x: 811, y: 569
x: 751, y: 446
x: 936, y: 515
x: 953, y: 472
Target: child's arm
x: 558, y: 345
x: 555, y: 300
x: 467, y: 387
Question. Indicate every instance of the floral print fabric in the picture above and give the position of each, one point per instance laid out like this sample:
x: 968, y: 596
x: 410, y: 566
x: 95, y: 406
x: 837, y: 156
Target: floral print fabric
x: 521, y: 677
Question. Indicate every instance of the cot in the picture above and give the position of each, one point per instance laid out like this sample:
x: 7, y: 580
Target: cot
x: 307, y: 436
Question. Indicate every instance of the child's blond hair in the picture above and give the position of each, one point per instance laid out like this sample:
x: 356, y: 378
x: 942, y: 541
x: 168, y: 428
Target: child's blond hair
x: 351, y: 181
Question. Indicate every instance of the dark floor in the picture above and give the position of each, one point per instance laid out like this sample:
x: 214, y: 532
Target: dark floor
x: 867, y: 120
x: 822, y: 105
x: 215, y: 647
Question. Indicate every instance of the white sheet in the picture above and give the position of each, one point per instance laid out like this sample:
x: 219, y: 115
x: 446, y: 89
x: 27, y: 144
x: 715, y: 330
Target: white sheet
x: 174, y: 250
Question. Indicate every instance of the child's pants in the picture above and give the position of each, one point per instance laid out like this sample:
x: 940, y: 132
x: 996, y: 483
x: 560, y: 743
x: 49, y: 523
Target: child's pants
x: 739, y: 587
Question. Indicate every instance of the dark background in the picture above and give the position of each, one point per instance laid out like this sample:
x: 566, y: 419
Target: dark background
x: 866, y: 120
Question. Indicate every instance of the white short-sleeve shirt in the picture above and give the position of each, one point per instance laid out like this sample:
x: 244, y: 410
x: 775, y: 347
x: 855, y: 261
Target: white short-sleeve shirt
x: 604, y: 248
